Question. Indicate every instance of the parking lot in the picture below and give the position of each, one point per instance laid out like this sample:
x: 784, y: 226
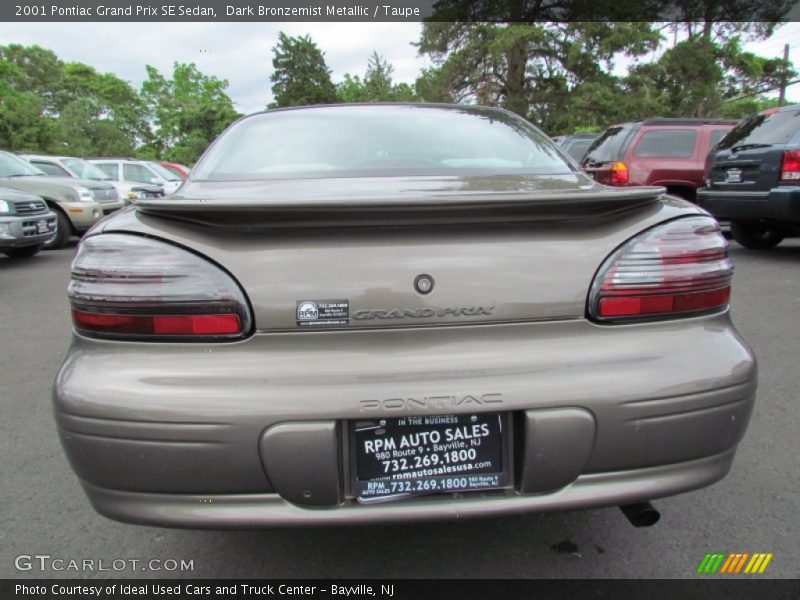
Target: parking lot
x: 755, y: 509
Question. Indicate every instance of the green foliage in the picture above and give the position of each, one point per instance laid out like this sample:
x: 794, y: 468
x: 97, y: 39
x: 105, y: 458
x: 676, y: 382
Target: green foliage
x: 530, y: 68
x: 22, y: 123
x: 188, y: 111
x: 560, y: 75
x: 378, y: 79
x: 69, y: 108
x: 736, y: 109
x: 351, y: 89
x: 301, y: 76
x: 377, y: 85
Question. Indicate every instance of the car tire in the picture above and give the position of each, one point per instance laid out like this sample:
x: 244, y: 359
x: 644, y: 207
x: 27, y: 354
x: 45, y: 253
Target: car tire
x: 63, y: 233
x: 756, y: 235
x: 24, y: 252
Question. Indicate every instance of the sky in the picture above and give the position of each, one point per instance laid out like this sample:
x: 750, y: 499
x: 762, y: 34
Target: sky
x: 242, y: 52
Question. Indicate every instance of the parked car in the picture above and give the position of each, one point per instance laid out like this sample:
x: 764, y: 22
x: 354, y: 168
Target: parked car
x: 667, y: 152
x: 339, y: 319
x: 77, y: 203
x: 577, y: 144
x: 139, y: 171
x: 180, y: 170
x: 26, y: 223
x: 753, y: 178
x: 69, y: 166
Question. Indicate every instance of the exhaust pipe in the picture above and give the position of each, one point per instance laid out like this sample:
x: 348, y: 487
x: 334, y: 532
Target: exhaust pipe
x: 641, y: 514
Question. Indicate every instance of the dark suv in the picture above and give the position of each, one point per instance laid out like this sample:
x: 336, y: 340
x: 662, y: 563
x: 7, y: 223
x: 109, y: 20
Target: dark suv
x: 753, y: 178
x: 659, y: 151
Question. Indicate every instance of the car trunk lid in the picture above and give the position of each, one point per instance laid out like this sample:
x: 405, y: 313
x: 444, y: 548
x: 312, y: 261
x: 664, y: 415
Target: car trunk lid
x: 351, y: 257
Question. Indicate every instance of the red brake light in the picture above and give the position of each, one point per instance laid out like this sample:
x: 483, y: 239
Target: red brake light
x: 790, y: 166
x: 127, y: 286
x: 675, y: 269
x: 619, y: 173
x: 157, y: 325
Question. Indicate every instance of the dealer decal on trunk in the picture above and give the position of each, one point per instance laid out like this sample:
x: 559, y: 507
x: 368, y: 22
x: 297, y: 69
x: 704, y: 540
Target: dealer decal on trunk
x: 323, y: 313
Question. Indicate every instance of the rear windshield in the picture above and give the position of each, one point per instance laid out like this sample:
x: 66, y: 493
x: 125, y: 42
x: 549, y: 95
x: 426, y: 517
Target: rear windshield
x: 608, y: 147
x: 364, y: 141
x: 774, y: 128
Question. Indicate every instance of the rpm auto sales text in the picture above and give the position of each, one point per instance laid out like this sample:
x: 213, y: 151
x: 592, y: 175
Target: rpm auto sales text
x: 190, y: 589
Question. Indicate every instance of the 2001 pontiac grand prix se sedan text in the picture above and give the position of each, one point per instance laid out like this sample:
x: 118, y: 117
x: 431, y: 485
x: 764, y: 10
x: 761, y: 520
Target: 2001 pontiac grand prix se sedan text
x: 398, y: 312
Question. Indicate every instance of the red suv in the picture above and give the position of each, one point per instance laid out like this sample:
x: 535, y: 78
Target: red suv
x: 668, y: 152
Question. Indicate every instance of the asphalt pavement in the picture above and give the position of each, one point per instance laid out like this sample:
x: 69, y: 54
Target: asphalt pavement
x: 755, y: 508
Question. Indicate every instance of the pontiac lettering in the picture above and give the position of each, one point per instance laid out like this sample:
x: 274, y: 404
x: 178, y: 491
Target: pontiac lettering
x: 436, y: 402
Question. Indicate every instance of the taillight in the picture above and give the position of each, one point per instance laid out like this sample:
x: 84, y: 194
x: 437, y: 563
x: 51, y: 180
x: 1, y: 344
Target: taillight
x: 132, y: 287
x: 790, y: 166
x: 675, y: 269
x: 619, y: 173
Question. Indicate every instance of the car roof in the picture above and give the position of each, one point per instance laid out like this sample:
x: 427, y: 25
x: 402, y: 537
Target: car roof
x: 672, y: 121
x: 777, y: 109
x: 112, y: 158
x: 50, y: 156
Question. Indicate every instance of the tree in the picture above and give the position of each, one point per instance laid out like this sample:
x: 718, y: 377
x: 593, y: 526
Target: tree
x: 301, y: 76
x: 79, y: 111
x: 378, y: 79
x: 529, y: 67
x: 22, y: 124
x: 188, y: 111
x: 698, y: 75
x: 351, y: 89
x: 377, y: 85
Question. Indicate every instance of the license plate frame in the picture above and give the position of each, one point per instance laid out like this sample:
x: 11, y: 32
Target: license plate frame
x: 447, y: 476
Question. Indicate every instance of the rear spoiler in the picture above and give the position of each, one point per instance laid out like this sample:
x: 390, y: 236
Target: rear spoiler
x: 443, y: 209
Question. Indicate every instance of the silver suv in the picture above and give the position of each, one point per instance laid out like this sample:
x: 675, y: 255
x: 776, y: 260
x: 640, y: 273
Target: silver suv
x: 78, y: 168
x: 77, y: 203
x: 139, y: 171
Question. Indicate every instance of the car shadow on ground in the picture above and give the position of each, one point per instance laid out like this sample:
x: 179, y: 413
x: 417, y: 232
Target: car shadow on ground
x: 511, y: 546
x: 40, y: 258
x: 787, y: 251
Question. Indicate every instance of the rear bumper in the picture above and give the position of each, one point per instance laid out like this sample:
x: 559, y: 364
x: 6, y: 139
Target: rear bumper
x: 184, y: 434
x: 781, y: 204
x: 234, y: 511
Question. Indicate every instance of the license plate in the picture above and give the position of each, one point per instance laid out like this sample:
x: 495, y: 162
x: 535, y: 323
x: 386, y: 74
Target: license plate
x: 42, y: 227
x: 733, y: 176
x: 408, y: 456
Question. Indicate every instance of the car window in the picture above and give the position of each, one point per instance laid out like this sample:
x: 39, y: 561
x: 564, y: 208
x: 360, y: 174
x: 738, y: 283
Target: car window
x: 609, y: 146
x: 364, y: 141
x: 771, y: 128
x: 14, y: 166
x: 137, y: 173
x: 577, y: 148
x: 109, y: 169
x: 84, y: 169
x: 165, y: 173
x: 51, y: 168
x: 666, y: 143
x: 715, y: 136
